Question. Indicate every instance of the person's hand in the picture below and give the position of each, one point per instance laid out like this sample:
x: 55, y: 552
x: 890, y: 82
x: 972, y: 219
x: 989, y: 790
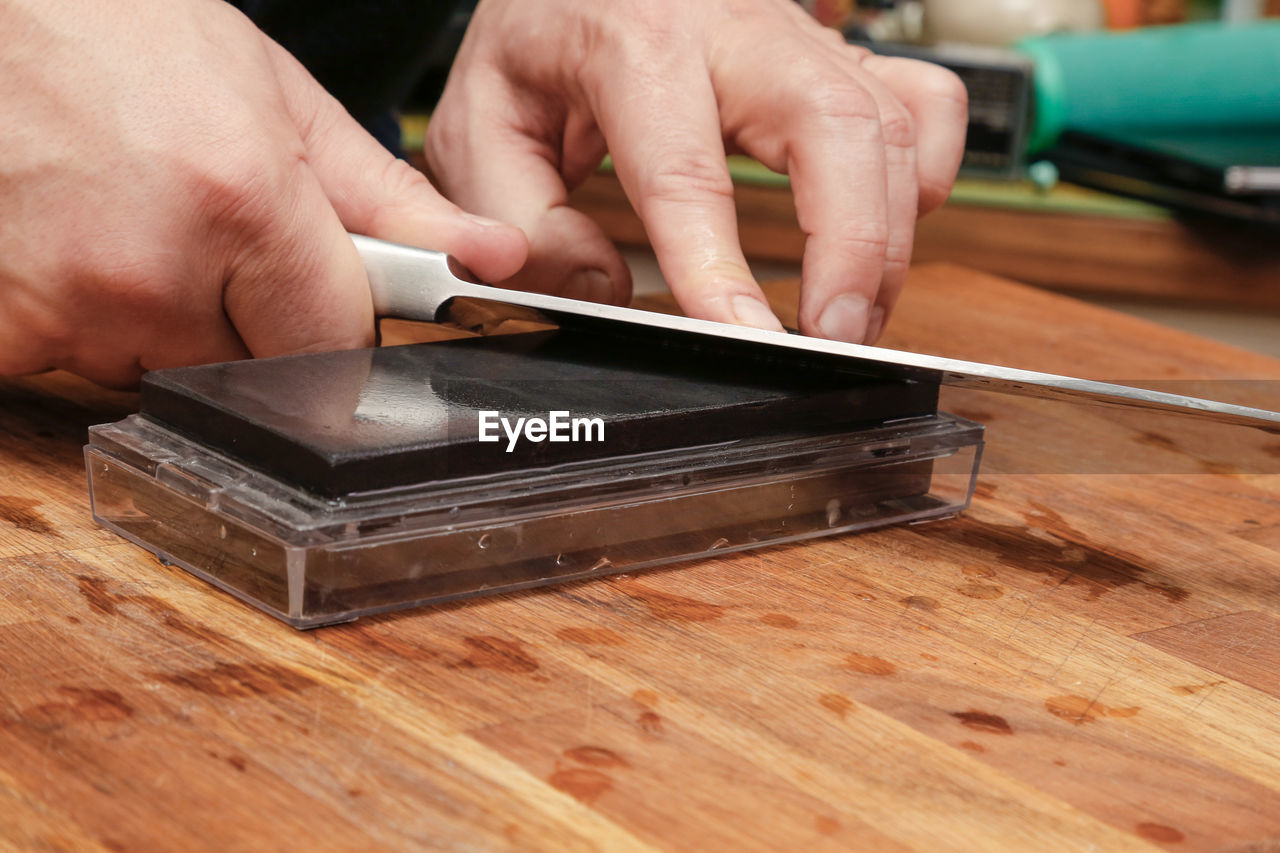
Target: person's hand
x: 542, y: 88
x: 176, y: 189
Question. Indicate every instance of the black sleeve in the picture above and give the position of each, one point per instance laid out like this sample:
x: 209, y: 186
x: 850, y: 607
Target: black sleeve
x: 367, y: 54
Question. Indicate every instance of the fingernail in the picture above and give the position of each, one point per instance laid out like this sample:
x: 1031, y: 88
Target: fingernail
x: 592, y: 285
x: 845, y: 318
x: 875, y: 325
x: 749, y: 311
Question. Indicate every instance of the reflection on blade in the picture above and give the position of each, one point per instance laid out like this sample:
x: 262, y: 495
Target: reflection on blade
x: 416, y: 284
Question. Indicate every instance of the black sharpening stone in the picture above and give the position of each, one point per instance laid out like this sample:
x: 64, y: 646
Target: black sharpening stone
x: 343, y: 423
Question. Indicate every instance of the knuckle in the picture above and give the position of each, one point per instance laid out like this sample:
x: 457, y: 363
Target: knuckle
x: 242, y: 189
x: 897, y: 253
x: 653, y: 22
x: 687, y: 177
x: 127, y: 275
x: 897, y: 126
x: 866, y: 240
x: 402, y: 181
x: 128, y: 281
x: 836, y: 98
x: 286, y: 256
x: 836, y: 39
x: 406, y: 194
x: 649, y: 36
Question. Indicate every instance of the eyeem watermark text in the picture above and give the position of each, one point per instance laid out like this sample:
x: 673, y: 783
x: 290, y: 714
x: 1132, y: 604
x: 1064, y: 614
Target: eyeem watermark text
x: 556, y: 426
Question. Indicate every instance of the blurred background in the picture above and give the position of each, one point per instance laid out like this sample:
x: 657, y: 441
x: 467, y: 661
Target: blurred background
x: 1124, y: 151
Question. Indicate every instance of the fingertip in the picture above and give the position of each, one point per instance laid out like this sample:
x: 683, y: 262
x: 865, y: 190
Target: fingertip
x: 734, y: 300
x: 616, y: 272
x: 492, y: 250
x: 875, y: 325
x: 756, y: 313
x: 622, y: 287
x: 847, y: 317
x: 622, y: 284
x: 590, y: 285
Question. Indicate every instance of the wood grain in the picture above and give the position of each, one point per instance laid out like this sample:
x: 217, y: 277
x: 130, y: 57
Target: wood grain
x: 1084, y: 660
x: 1243, y: 647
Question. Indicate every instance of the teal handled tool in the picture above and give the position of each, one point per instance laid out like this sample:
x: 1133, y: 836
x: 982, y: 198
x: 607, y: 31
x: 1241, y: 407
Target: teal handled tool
x: 1204, y: 75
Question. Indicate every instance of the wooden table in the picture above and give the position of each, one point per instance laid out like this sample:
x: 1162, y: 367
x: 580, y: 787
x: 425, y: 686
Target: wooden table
x: 1082, y: 661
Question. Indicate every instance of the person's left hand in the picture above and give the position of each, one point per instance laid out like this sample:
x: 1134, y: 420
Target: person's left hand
x: 541, y: 89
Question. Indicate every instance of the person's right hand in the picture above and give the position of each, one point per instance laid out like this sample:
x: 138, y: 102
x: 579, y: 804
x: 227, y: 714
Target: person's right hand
x: 175, y: 189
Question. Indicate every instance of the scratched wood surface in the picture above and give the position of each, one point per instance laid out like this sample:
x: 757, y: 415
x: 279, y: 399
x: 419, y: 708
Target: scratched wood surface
x: 1085, y: 660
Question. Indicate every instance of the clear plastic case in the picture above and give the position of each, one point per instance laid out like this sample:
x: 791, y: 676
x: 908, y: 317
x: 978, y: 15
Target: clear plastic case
x: 312, y: 561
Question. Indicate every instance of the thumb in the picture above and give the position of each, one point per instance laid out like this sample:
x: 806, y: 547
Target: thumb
x: 377, y: 195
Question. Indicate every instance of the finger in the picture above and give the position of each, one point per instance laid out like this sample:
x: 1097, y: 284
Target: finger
x: 938, y: 101
x: 377, y: 195
x: 897, y: 127
x: 118, y: 329
x: 497, y: 169
x: 822, y: 127
x: 297, y: 284
x: 668, y: 150
x: 188, y: 325
x: 846, y: 220
x: 204, y: 338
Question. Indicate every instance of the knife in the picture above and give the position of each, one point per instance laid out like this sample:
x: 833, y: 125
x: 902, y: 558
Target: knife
x: 419, y: 284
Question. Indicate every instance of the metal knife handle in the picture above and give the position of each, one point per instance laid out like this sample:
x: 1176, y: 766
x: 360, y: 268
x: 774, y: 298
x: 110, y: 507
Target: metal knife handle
x: 410, y: 283
x: 416, y: 284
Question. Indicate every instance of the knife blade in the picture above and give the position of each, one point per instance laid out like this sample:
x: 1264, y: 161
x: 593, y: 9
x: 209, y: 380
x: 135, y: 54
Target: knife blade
x: 419, y: 284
